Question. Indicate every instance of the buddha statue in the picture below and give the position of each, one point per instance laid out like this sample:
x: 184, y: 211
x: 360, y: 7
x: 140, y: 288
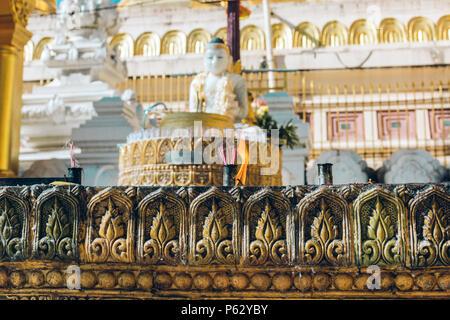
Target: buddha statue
x: 218, y: 90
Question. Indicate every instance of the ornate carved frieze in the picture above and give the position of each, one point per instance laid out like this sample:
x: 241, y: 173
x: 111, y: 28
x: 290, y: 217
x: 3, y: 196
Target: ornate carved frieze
x: 110, y: 227
x: 268, y: 237
x: 162, y: 229
x: 56, y: 222
x: 430, y: 229
x: 303, y: 241
x: 379, y: 224
x: 213, y: 229
x: 324, y: 229
x: 14, y: 226
x: 123, y: 281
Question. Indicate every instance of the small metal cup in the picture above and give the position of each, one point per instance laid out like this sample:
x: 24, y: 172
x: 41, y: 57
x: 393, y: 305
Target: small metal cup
x: 325, y: 173
x: 74, y: 175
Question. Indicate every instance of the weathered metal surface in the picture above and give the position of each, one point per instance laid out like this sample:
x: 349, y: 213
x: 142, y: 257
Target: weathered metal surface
x: 227, y: 242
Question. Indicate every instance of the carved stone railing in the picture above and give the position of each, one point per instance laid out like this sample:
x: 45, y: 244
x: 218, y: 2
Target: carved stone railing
x: 241, y: 242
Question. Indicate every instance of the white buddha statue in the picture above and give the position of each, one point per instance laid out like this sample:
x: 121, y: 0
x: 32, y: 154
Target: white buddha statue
x: 217, y: 90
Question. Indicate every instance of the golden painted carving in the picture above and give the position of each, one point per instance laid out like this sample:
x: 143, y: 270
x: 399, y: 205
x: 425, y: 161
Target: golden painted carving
x: 382, y: 243
x: 391, y: 30
x: 110, y: 228
x: 21, y: 10
x: 44, y: 282
x: 124, y: 44
x: 197, y: 40
x: 252, y: 38
x: 268, y: 241
x: 443, y: 28
x: 281, y: 36
x: 430, y: 230
x: 434, y: 230
x: 144, y: 163
x: 379, y: 228
x: 324, y: 229
x: 173, y: 43
x: 164, y: 146
x: 306, y: 35
x: 148, y: 44
x: 362, y: 32
x: 215, y: 231
x: 56, y: 233
x: 217, y: 243
x: 165, y: 213
x: 215, y: 239
x: 149, y: 152
x: 14, y: 224
x: 334, y: 34
x: 268, y: 229
x: 421, y: 29
x: 136, y: 154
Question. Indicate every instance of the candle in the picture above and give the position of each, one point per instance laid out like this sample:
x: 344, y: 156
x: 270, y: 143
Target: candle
x: 72, y: 159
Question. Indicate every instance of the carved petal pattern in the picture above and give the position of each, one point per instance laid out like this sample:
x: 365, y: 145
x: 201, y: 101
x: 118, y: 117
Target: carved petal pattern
x: 434, y: 246
x: 216, y: 241
x: 382, y: 243
x: 268, y: 243
x: 57, y: 240
x: 324, y: 244
x: 110, y: 241
x: 161, y: 243
x: 10, y: 240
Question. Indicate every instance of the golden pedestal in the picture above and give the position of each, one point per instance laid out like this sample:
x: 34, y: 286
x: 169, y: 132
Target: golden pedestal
x: 191, y: 119
x: 144, y: 162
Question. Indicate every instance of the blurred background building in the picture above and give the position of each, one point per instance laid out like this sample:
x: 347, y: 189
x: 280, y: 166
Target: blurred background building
x: 365, y: 81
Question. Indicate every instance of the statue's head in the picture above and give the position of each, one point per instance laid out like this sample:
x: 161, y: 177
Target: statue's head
x: 217, y: 56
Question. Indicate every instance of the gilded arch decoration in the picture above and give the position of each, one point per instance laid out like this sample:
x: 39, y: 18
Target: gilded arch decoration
x: 124, y: 44
x: 362, y: 32
x: 281, y: 36
x: 252, y: 38
x: 429, y: 216
x: 197, y: 40
x: 136, y: 154
x: 46, y: 41
x: 110, y: 227
x: 306, y: 35
x: 334, y: 34
x: 57, y: 217
x: 162, y: 229
x: 379, y: 228
x: 173, y: 43
x: 391, y: 30
x: 443, y: 28
x: 421, y: 29
x: 214, y: 223
x: 149, y: 152
x: 14, y: 226
x: 268, y: 237
x: 221, y: 33
x: 148, y: 44
x: 324, y: 229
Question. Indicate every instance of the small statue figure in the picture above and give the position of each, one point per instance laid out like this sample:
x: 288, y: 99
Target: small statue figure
x: 217, y: 90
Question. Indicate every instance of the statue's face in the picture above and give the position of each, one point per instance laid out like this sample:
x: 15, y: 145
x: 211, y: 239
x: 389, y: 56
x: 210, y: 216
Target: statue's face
x: 216, y: 60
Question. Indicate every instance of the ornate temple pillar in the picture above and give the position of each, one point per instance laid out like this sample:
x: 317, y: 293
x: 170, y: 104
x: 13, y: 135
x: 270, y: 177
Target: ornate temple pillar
x: 13, y: 37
